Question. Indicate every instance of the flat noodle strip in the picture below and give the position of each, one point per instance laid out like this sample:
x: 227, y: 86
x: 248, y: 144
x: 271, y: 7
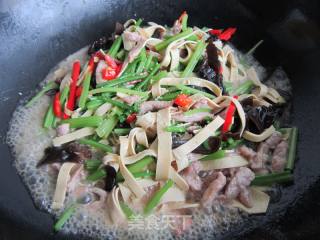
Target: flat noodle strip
x: 140, y: 155
x: 178, y: 180
x: 198, y: 97
x: 137, y: 135
x: 128, y: 177
x: 259, y: 137
x: 180, y: 153
x: 232, y: 161
x: 62, y: 185
x: 112, y: 160
x: 84, y: 132
x: 125, y: 192
x: 170, y: 81
x: 164, y: 144
x: 149, y: 31
x: 115, y: 212
x: 169, y: 206
x: 148, y: 122
x: 166, y: 59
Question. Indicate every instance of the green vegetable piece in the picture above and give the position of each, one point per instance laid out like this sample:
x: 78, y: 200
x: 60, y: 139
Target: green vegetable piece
x: 213, y: 156
x: 47, y: 87
x: 143, y: 85
x: 92, y: 164
x: 189, y: 90
x: 197, y: 110
x: 154, y: 201
x: 107, y: 126
x: 85, y: 90
x: 93, y: 104
x: 175, y: 128
x: 80, y: 122
x: 138, y: 23
x: 169, y: 96
x: 194, y: 59
x: 165, y: 43
x: 118, y: 104
x: 49, y: 118
x: 143, y: 59
x: 96, y: 144
x: 137, y: 166
x: 123, y: 79
x: 115, y: 47
x: 64, y: 217
x: 121, y: 90
x: 184, y: 22
x: 291, y: 155
x: 97, y: 175
x: 143, y: 174
x: 269, y: 179
x: 126, y: 210
x: 244, y: 88
x: 122, y: 131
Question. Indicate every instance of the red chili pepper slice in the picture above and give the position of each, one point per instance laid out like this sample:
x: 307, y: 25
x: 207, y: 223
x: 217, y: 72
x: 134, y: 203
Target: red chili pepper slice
x: 57, y: 106
x: 110, y: 61
x: 109, y: 73
x: 131, y: 118
x: 78, y: 91
x: 73, y: 86
x: 183, y: 100
x: 99, y: 55
x: 216, y: 32
x: 91, y: 64
x: 227, y: 34
x: 229, y: 115
x: 223, y: 35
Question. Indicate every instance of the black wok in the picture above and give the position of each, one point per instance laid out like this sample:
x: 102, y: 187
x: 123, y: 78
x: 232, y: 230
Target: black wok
x: 36, y: 34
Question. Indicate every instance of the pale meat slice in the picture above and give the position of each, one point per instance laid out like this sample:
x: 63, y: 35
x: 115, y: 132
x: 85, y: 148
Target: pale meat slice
x: 241, y: 180
x: 190, y: 175
x: 213, y: 190
x: 150, y: 106
x: 279, y: 156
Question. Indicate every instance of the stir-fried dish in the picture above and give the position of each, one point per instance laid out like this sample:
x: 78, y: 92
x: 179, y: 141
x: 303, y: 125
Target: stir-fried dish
x: 159, y: 120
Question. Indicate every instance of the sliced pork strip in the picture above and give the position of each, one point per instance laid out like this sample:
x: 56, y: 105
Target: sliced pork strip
x: 63, y: 129
x: 274, y: 140
x: 279, y: 156
x: 150, y: 106
x: 213, y: 189
x: 190, y: 175
x: 131, y: 99
x: 240, y: 181
x: 181, y: 117
x: 202, y: 103
x: 245, y: 197
x: 132, y: 36
x: 253, y: 158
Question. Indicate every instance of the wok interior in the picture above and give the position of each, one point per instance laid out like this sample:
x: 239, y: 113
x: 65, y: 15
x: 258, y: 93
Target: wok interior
x: 36, y: 35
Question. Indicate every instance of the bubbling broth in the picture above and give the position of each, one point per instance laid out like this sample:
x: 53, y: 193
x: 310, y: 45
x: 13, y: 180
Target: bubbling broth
x: 29, y: 140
